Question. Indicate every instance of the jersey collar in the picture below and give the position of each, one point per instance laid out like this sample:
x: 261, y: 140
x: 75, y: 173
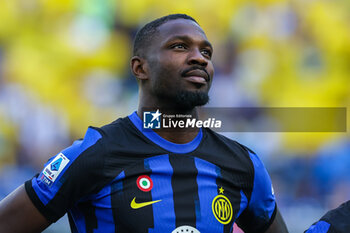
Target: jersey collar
x: 170, y: 146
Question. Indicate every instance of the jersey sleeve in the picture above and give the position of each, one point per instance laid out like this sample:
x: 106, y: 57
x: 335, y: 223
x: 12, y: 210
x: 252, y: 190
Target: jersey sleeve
x: 261, y: 208
x: 68, y: 176
x: 335, y: 220
x: 319, y: 227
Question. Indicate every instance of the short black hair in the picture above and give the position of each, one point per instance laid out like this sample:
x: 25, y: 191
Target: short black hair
x: 146, y: 33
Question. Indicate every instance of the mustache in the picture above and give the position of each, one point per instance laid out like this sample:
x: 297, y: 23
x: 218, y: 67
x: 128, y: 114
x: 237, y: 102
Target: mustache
x: 183, y: 73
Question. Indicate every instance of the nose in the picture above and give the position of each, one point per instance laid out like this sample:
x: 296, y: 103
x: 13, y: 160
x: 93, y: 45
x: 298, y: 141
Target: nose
x: 197, y: 58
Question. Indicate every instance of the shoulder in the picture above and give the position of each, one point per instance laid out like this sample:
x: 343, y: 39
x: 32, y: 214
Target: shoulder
x: 229, y: 154
x: 89, y: 153
x: 121, y: 132
x: 236, y: 155
x: 233, y: 146
x: 117, y: 128
x: 335, y: 220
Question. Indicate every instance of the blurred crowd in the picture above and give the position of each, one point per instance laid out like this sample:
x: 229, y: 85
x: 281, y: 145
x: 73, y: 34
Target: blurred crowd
x: 64, y: 65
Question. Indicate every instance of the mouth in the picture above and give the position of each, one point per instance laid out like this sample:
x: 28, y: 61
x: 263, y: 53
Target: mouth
x: 197, y: 76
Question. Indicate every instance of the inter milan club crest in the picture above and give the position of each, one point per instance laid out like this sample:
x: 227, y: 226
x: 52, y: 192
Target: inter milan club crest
x: 144, y: 183
x: 222, y: 208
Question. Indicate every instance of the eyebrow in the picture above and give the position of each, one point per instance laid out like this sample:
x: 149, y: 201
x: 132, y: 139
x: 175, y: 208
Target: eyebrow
x: 189, y: 39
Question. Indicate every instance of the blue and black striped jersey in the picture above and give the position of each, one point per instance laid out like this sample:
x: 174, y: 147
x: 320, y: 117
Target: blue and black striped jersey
x: 121, y: 178
x: 334, y: 221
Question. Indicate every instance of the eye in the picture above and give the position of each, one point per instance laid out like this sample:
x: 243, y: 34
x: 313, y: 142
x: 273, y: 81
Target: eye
x: 206, y: 52
x: 178, y: 46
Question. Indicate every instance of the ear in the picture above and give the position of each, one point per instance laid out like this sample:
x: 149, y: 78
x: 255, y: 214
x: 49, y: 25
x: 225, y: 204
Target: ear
x: 139, y: 67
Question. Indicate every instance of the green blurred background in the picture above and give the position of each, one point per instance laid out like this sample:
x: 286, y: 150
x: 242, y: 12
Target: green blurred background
x: 64, y: 65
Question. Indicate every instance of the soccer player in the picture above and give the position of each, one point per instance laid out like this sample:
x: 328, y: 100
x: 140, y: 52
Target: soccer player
x: 334, y: 221
x: 122, y: 178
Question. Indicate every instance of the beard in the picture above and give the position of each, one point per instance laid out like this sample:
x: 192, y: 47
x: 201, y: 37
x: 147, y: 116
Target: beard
x: 188, y: 100
x: 174, y: 96
x: 183, y: 100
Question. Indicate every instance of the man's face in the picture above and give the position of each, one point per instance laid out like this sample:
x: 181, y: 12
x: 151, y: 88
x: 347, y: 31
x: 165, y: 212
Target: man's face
x: 180, y: 65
